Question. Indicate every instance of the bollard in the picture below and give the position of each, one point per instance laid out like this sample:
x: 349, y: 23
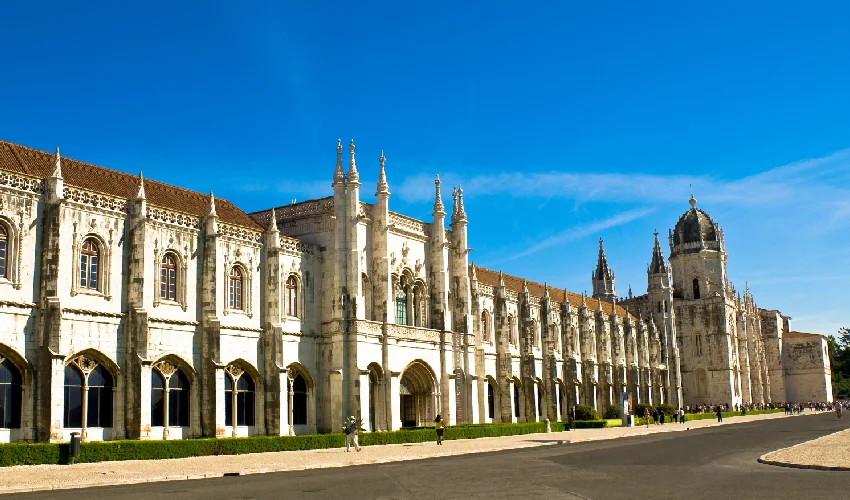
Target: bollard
x: 74, y: 451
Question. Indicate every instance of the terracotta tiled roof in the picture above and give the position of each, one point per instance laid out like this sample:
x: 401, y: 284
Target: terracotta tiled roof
x: 35, y: 163
x: 513, y: 283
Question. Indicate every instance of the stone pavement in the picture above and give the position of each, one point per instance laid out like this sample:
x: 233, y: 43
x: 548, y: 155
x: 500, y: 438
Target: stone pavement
x: 55, y: 477
x: 830, y: 452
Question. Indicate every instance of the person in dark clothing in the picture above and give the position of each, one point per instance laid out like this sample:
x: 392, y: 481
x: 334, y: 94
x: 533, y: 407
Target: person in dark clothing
x: 440, y: 426
x: 719, y: 414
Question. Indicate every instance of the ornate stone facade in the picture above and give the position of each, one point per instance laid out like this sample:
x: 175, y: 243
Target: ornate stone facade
x: 134, y: 309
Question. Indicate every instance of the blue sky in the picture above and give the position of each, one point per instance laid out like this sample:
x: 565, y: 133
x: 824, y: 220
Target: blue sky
x: 564, y: 122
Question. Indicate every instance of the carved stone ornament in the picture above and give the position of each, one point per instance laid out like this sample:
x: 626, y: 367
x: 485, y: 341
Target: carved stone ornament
x: 165, y: 368
x: 234, y: 371
x: 86, y: 365
x: 2, y: 359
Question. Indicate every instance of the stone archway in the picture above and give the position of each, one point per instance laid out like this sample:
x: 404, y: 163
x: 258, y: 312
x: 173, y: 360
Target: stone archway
x: 418, y: 395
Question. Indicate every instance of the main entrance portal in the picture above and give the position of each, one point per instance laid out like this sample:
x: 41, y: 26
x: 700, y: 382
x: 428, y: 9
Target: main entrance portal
x: 418, y: 395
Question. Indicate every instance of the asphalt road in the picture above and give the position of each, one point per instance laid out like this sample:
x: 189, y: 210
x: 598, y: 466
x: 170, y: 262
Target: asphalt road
x: 715, y: 463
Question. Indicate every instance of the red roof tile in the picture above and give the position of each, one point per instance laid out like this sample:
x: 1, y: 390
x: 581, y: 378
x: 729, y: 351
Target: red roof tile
x: 35, y: 163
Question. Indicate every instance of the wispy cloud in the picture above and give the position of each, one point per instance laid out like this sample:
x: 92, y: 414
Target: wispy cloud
x: 577, y: 232
x: 823, y: 180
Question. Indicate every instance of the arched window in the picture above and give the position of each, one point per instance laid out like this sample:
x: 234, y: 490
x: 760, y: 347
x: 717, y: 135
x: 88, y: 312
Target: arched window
x: 512, y: 330
x: 99, y: 384
x: 169, y: 396
x: 696, y: 288
x: 292, y: 297
x: 516, y: 399
x: 4, y: 246
x: 238, y: 396
x: 417, y: 307
x: 89, y: 264
x: 400, y: 305
x: 10, y: 395
x: 235, y: 288
x: 168, y: 278
x: 92, y: 392
x: 485, y: 326
x: 491, y: 400
x: 299, y: 400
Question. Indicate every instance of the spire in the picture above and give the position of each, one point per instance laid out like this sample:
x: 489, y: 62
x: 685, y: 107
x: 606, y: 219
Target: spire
x: 545, y: 290
x: 598, y: 305
x: 383, y: 187
x: 603, y: 272
x: 339, y: 177
x: 273, y: 221
x: 584, y: 298
x: 211, y: 212
x: 461, y: 212
x: 474, y: 275
x: 501, y: 279
x: 438, y: 199
x: 658, y: 264
x: 524, y: 286
x: 353, y: 176
x: 57, y: 165
x: 141, y: 194
x: 454, y: 204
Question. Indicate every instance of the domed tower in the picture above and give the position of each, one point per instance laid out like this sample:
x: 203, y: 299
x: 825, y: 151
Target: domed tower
x: 704, y: 311
x: 697, y: 256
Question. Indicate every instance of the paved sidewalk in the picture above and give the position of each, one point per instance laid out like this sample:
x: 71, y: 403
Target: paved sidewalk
x: 830, y: 452
x: 54, y: 477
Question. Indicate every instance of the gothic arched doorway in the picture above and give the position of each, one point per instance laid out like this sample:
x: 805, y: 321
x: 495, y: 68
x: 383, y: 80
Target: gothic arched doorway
x: 418, y: 394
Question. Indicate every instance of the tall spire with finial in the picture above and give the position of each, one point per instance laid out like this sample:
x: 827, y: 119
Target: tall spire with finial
x: 438, y: 198
x: 545, y: 290
x: 474, y: 274
x: 353, y: 176
x: 603, y: 277
x: 501, y: 279
x: 461, y: 211
x: 524, y: 286
x: 339, y: 176
x: 273, y: 221
x: 57, y: 165
x: 658, y: 265
x: 140, y: 195
x: 454, y: 204
x: 211, y: 211
x: 383, y: 187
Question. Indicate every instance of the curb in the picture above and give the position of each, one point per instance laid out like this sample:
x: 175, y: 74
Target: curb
x: 790, y: 465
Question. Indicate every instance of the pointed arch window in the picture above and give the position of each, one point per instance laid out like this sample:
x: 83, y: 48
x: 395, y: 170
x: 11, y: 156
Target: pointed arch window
x: 169, y: 396
x: 696, y: 288
x: 4, y: 248
x: 238, y: 397
x: 400, y: 305
x: 10, y: 395
x: 485, y: 326
x: 89, y: 264
x: 491, y: 400
x: 292, y: 297
x: 168, y: 278
x: 235, y: 288
x: 512, y: 331
x: 88, y: 395
x: 299, y: 400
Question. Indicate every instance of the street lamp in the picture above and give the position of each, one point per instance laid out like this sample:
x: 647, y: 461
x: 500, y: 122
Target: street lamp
x: 290, y: 376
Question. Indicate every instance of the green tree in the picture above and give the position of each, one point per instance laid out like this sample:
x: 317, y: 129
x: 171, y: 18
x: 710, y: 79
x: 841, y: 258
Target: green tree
x: 839, y: 359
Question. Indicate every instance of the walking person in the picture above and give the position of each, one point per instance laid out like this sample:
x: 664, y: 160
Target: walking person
x: 719, y: 414
x: 441, y: 427
x: 646, y: 416
x: 351, y: 432
x: 838, y: 410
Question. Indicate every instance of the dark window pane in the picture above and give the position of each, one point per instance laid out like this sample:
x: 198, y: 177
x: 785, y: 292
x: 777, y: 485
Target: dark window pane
x: 73, y: 406
x: 3, y: 258
x: 245, y: 383
x: 105, y: 416
x: 245, y: 408
x: 179, y: 381
x: 5, y: 406
x: 228, y: 403
x: 178, y: 407
x: 93, y: 272
x: 157, y: 380
x: 94, y: 408
x: 157, y: 407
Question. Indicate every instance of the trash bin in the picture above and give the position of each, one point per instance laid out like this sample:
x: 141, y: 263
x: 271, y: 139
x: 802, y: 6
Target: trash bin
x: 74, y: 451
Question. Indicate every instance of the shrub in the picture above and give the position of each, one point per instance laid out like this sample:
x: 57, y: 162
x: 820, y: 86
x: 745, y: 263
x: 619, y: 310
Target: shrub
x: 591, y: 424
x: 640, y: 407
x: 667, y: 409
x: 612, y: 412
x: 584, y: 412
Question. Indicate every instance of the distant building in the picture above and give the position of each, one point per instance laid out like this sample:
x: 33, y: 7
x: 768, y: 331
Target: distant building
x: 134, y: 309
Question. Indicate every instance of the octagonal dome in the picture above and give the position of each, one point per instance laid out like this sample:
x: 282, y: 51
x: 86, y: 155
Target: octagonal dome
x: 694, y: 226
